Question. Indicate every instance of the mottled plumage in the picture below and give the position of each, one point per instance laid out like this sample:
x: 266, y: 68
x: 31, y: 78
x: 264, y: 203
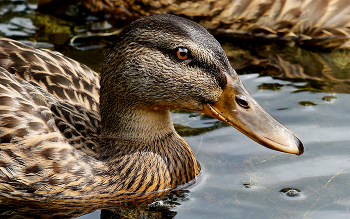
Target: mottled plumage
x: 62, y: 138
x: 314, y: 22
x: 49, y: 139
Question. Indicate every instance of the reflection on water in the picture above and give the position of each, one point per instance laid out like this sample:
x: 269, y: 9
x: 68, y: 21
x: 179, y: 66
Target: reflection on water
x: 325, y: 71
x: 306, y: 90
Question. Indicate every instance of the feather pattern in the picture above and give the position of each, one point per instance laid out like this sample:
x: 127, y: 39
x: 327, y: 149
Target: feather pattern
x: 50, y: 137
x: 65, y: 140
x: 65, y: 78
x: 39, y: 159
x: 289, y: 19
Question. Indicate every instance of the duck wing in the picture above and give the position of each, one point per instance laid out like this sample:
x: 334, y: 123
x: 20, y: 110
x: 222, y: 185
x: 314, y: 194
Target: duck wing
x: 67, y: 89
x: 58, y: 75
x: 36, y: 157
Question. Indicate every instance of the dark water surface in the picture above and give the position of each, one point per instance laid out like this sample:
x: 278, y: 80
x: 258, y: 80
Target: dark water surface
x: 240, y: 179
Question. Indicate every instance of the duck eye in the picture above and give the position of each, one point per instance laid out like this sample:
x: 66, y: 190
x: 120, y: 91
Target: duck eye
x: 242, y: 101
x: 182, y: 53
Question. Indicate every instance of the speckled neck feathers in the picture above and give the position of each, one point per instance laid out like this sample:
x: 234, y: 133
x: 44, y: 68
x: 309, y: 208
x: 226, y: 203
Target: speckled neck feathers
x: 55, y: 144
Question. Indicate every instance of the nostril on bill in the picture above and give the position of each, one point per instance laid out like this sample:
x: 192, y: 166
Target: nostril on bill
x: 242, y: 101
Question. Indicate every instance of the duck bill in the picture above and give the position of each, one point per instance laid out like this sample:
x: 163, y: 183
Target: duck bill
x: 238, y: 108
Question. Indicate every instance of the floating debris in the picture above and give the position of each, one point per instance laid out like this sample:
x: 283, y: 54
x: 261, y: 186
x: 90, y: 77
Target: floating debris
x: 307, y: 103
x: 329, y: 98
x: 247, y: 185
x: 291, y: 192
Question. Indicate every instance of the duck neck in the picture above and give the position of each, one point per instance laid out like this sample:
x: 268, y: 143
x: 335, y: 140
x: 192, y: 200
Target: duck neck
x: 145, y: 140
x: 131, y: 123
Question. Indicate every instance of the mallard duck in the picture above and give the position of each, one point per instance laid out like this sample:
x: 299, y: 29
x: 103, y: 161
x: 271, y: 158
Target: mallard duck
x: 313, y: 22
x: 65, y: 137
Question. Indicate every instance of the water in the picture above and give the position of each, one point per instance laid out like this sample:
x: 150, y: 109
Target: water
x: 240, y: 178
x: 243, y: 180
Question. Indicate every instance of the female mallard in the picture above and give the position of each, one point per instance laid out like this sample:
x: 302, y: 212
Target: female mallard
x: 312, y: 22
x: 63, y: 139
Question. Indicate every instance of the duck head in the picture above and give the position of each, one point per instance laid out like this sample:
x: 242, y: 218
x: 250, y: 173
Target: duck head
x: 162, y: 62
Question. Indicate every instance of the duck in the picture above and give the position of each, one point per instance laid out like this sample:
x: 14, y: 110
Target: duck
x: 314, y: 23
x: 68, y: 133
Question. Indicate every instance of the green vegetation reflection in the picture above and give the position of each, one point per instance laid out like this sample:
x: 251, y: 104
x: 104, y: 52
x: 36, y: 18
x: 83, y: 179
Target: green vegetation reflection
x: 210, y: 125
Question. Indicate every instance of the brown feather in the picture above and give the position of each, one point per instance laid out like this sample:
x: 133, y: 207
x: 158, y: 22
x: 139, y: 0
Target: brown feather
x: 241, y: 17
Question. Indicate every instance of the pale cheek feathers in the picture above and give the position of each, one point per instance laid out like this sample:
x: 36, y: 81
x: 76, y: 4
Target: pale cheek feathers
x: 169, y: 83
